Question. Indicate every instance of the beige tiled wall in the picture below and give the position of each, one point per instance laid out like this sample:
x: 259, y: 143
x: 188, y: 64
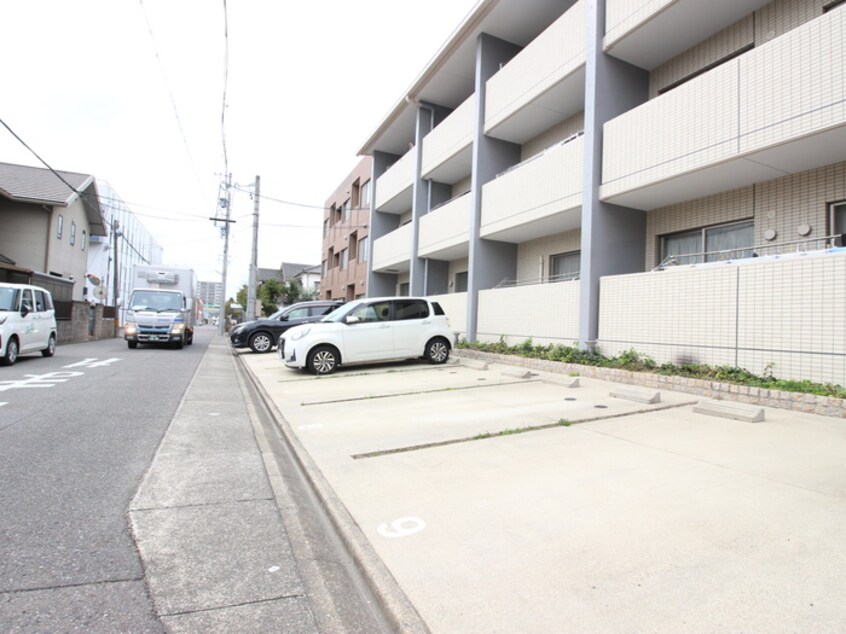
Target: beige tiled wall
x: 785, y: 315
x: 534, y: 254
x: 545, y: 313
x: 769, y: 22
x: 714, y: 48
x: 621, y: 16
x: 455, y: 307
x: 782, y: 204
x: 553, y: 135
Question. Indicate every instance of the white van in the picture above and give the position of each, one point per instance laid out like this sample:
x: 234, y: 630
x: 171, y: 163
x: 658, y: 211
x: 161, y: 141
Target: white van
x: 27, y: 322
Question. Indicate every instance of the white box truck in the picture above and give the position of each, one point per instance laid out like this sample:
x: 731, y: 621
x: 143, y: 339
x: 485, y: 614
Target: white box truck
x: 161, y: 306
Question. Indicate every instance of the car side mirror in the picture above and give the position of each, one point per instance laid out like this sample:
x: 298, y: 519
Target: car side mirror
x: 352, y: 319
x: 24, y: 311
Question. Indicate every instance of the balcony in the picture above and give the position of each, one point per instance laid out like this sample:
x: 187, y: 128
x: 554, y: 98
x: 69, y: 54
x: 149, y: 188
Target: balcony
x: 778, y: 109
x: 448, y: 149
x: 394, y: 187
x: 392, y: 252
x: 445, y: 232
x: 536, y: 198
x: 647, y: 33
x: 542, y: 85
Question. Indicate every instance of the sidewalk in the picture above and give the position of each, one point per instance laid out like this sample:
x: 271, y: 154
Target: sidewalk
x: 611, y: 515
x: 209, y: 531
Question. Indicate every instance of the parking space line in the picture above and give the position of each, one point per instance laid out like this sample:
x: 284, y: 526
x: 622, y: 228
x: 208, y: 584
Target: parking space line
x: 520, y: 430
x: 416, y: 392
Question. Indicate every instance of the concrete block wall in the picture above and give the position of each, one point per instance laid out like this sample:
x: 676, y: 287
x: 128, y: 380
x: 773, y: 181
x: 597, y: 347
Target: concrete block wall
x: 76, y: 329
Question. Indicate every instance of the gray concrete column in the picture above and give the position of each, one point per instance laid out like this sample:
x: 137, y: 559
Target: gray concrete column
x: 613, y: 237
x: 381, y: 224
x: 490, y: 262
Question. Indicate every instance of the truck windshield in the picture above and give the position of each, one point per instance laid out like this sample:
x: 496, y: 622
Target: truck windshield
x: 155, y: 300
x: 8, y: 299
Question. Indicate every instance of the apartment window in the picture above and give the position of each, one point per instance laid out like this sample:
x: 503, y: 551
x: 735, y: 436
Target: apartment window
x: 84, y: 240
x: 324, y: 268
x: 403, y: 289
x: 325, y: 228
x: 565, y: 266
x: 362, y: 249
x: 710, y: 244
x: 353, y: 245
x: 73, y: 233
x: 364, y: 195
x: 838, y: 217
x: 356, y: 195
x: 461, y: 282
x: 346, y: 211
x: 345, y: 259
x: 60, y: 226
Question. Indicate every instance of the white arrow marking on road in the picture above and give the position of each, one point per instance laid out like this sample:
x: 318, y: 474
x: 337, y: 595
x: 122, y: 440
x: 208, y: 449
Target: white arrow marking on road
x: 92, y: 363
x: 2, y: 404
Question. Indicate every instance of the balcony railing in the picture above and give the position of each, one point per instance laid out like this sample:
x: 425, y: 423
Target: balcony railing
x: 547, y: 279
x: 781, y: 249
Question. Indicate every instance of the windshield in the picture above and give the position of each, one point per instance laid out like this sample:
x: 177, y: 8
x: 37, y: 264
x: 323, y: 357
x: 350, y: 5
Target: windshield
x: 156, y: 300
x: 8, y: 299
x: 342, y: 311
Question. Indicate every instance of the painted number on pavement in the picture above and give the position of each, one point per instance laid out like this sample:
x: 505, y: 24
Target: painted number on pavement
x: 402, y: 527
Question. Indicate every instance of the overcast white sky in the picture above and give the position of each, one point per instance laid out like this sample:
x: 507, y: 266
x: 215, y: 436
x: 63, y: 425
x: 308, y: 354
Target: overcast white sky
x: 87, y: 84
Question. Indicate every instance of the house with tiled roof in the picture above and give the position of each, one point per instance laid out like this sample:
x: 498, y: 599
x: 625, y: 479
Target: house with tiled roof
x: 47, y: 218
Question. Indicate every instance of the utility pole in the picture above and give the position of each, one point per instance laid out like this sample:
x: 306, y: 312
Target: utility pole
x: 116, y: 234
x: 224, y: 202
x: 251, y: 285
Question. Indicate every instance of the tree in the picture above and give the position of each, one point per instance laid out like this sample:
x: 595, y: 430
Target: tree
x: 292, y: 292
x: 269, y: 294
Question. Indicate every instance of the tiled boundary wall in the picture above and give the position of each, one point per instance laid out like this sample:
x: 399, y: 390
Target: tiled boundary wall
x: 807, y: 403
x: 76, y: 330
x: 785, y: 316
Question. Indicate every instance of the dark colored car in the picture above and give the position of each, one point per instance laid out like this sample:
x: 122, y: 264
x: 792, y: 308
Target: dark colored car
x: 262, y: 334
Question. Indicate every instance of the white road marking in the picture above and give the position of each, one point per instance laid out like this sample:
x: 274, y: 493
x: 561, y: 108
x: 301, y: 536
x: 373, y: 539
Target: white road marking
x: 92, y: 363
x: 403, y: 527
x: 51, y: 379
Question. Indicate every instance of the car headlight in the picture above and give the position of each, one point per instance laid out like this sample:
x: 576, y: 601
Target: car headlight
x: 300, y: 333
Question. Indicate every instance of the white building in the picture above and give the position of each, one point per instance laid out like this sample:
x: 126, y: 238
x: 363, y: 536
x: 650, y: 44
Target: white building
x: 110, y: 268
x: 555, y: 156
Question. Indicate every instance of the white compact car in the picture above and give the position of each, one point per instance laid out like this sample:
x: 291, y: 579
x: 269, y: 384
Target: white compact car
x: 27, y: 322
x: 370, y: 330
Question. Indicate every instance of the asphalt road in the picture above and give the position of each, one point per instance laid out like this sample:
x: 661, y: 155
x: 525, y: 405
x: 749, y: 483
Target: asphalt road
x: 77, y: 433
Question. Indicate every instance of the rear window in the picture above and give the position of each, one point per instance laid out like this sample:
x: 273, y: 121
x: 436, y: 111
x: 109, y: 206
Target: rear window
x: 437, y: 308
x: 410, y: 309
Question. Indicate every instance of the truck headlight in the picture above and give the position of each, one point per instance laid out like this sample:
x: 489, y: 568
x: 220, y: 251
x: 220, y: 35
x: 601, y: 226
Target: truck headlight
x: 177, y: 329
x: 131, y: 329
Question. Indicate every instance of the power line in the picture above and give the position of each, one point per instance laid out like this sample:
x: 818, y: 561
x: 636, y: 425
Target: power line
x: 172, y: 100
x: 225, y: 85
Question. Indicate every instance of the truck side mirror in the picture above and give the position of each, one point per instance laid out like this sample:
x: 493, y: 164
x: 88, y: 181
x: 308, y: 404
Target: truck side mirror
x: 119, y: 302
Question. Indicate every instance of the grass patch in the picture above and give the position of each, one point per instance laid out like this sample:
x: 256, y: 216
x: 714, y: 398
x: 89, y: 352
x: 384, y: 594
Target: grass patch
x: 634, y: 361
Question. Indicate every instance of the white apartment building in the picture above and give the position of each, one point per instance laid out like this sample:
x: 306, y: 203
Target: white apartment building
x: 112, y: 257
x: 662, y: 175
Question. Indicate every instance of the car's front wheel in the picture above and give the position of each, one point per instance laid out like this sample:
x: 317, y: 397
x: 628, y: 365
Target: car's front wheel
x: 437, y: 350
x: 132, y: 345
x: 11, y: 352
x: 322, y: 360
x: 50, y: 350
x: 261, y: 342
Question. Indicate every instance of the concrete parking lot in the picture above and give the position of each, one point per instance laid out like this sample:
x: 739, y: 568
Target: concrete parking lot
x: 503, y: 501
